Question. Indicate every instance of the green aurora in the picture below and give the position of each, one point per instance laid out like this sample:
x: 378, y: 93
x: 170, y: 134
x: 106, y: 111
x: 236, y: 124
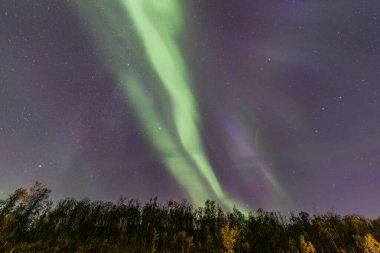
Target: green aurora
x: 157, y: 24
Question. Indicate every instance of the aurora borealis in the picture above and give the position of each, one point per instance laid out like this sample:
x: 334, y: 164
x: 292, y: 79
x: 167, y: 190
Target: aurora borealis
x: 182, y: 151
x: 270, y: 104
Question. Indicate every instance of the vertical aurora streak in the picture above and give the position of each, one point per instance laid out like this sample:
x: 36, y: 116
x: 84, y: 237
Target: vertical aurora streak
x: 194, y: 99
x: 243, y: 146
x: 157, y: 24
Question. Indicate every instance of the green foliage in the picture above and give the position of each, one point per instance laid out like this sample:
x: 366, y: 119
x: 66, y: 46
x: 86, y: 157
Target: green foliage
x: 29, y: 223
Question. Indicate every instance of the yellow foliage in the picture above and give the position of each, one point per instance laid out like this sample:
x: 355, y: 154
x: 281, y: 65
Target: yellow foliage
x: 229, y: 236
x: 370, y: 245
x: 189, y: 243
x: 154, y: 240
x: 306, y: 247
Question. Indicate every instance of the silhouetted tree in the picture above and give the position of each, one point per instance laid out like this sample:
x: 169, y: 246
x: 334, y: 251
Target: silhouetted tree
x: 29, y: 223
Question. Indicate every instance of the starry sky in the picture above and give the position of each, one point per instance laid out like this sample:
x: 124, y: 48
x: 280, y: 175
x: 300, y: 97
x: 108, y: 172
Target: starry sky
x: 271, y: 104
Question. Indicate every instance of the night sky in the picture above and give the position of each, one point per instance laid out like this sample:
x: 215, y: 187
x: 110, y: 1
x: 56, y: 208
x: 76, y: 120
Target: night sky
x: 271, y: 104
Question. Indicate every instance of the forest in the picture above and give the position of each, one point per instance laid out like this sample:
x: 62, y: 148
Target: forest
x: 30, y: 222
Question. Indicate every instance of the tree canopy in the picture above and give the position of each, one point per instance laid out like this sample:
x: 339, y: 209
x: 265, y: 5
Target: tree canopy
x: 29, y: 222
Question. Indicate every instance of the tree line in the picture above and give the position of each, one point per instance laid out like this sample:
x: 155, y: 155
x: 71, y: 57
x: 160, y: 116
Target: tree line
x: 29, y: 222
